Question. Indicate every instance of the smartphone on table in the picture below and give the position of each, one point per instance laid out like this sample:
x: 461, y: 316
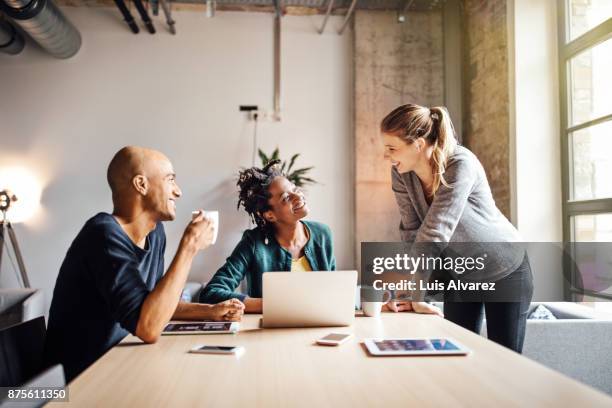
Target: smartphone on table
x: 207, y: 349
x: 334, y: 339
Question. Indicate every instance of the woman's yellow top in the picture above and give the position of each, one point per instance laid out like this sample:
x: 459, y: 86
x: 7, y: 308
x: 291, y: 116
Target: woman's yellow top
x: 300, y: 265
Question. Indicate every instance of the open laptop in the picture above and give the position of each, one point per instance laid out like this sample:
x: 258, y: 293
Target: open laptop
x: 309, y: 299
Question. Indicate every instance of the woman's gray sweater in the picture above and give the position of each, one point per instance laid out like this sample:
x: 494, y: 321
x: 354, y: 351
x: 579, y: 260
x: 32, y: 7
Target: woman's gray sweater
x: 463, y: 212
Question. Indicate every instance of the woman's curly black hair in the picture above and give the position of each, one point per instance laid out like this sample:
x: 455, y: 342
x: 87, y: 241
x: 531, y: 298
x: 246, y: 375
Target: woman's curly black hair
x: 253, y: 195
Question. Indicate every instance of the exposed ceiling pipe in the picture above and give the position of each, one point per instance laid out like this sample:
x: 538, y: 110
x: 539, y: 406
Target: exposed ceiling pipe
x: 211, y: 7
x: 127, y: 16
x: 277, y: 58
x: 330, y: 5
x: 144, y: 15
x: 154, y: 7
x: 46, y: 24
x: 168, y: 13
x: 11, y: 40
x: 278, y: 8
x: 349, y: 13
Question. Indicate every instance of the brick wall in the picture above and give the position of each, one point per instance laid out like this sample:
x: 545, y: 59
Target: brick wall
x: 486, y: 99
x: 402, y: 63
x: 394, y: 64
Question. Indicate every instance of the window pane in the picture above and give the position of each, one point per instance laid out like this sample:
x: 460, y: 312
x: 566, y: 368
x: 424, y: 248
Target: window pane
x: 594, y: 257
x: 593, y: 228
x: 591, y: 163
x: 587, y: 14
x: 590, y: 83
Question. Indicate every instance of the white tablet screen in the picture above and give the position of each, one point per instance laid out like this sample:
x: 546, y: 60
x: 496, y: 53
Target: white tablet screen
x: 416, y: 345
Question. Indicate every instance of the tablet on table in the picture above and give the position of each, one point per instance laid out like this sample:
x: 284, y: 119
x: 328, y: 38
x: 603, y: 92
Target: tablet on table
x: 413, y: 347
x: 201, y: 328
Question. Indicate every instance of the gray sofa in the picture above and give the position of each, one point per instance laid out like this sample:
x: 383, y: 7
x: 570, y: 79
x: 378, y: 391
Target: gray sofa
x: 577, y: 344
x: 191, y: 292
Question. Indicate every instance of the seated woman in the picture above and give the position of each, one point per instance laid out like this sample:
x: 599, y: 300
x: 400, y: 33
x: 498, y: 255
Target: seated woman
x: 282, y: 241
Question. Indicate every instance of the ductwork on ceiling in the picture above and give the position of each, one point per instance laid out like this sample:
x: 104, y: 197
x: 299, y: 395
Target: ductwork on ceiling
x: 11, y: 40
x: 144, y: 14
x: 127, y: 16
x: 46, y: 24
x: 301, y: 7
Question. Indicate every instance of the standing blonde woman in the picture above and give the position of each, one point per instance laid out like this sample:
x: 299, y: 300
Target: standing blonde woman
x: 443, y: 196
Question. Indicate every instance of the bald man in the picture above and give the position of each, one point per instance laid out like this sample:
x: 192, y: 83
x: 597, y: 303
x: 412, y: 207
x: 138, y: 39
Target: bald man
x: 112, y: 280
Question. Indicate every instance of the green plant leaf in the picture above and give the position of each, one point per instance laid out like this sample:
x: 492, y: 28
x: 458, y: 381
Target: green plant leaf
x: 308, y: 180
x: 292, y: 161
x: 297, y: 177
x: 301, y: 171
x: 262, y: 156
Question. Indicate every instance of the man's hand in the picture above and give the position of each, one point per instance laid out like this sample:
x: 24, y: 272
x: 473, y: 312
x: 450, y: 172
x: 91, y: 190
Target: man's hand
x: 161, y: 304
x: 417, y: 307
x: 199, y: 232
x: 229, y: 310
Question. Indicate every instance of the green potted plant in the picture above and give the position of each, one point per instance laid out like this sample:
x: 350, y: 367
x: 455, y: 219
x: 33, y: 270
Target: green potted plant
x: 298, y: 177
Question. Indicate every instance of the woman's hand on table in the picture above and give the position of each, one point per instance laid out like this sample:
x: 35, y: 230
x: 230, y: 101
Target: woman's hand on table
x: 229, y: 310
x: 253, y: 305
x: 417, y: 307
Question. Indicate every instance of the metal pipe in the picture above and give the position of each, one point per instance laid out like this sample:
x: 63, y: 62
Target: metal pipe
x: 330, y: 5
x: 127, y: 16
x: 6, y: 226
x: 278, y: 8
x: 46, y: 24
x: 168, y: 13
x: 211, y: 7
x: 22, y: 269
x: 11, y: 40
x: 154, y: 7
x: 144, y: 15
x: 277, y: 65
x: 347, y: 17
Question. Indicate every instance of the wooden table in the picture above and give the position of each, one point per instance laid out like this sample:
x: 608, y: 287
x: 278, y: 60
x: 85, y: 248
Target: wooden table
x: 285, y: 368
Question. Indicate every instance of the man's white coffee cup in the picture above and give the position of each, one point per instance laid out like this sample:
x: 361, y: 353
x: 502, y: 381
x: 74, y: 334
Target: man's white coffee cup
x: 373, y: 300
x: 214, y: 216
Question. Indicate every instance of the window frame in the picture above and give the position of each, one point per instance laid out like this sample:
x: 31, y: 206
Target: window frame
x: 570, y: 208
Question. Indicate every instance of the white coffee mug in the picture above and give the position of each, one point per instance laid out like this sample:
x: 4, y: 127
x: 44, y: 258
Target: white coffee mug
x: 373, y: 309
x: 214, y: 216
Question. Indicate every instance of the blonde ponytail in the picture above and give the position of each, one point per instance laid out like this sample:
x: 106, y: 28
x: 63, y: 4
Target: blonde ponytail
x: 444, y: 143
x: 410, y: 122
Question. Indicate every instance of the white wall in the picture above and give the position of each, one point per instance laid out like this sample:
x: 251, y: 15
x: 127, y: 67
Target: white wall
x: 535, y: 108
x: 537, y: 120
x: 180, y: 94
